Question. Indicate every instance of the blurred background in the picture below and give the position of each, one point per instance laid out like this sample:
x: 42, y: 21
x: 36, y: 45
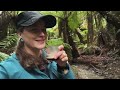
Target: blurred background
x: 89, y: 37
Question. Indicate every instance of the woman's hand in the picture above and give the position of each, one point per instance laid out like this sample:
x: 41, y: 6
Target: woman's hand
x: 61, y: 56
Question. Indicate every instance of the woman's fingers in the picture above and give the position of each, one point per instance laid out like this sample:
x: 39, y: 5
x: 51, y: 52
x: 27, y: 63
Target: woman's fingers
x: 61, y: 47
x: 63, y: 55
x: 57, y: 55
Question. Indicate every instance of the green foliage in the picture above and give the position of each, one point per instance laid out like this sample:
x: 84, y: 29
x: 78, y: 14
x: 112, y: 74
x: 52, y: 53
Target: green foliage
x: 55, y: 42
x: 54, y: 13
x: 82, y: 46
x: 84, y: 34
x: 52, y: 33
x: 3, y: 56
x: 68, y: 50
x: 9, y: 42
x: 90, y: 50
x: 73, y: 21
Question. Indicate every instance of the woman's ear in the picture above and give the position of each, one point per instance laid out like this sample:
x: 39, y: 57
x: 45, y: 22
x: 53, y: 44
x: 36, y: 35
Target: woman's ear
x: 19, y: 34
x: 20, y: 31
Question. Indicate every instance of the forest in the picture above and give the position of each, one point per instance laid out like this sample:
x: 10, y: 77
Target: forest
x: 91, y: 40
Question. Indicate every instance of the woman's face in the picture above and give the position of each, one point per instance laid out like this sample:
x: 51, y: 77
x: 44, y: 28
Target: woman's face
x: 35, y: 36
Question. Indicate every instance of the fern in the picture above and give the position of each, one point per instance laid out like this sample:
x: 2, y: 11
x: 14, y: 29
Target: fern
x: 9, y: 41
x: 3, y: 56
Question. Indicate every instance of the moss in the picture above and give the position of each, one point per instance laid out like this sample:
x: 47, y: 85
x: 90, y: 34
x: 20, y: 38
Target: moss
x: 68, y: 50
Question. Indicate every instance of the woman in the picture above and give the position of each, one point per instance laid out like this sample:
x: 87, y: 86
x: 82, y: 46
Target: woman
x: 29, y: 60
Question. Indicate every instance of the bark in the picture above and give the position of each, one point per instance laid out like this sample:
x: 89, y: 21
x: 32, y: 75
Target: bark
x: 90, y: 28
x: 75, y: 52
x: 79, y: 36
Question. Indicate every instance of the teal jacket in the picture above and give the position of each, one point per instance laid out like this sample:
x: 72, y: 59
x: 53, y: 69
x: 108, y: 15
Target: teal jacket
x: 12, y: 69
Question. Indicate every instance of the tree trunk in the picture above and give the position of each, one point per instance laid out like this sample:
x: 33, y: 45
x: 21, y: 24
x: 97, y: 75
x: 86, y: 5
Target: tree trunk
x: 90, y: 28
x: 60, y: 26
x: 65, y: 31
x: 75, y: 52
x: 4, y: 22
x: 79, y: 36
x: 98, y: 21
x: 65, y: 21
x: 110, y: 19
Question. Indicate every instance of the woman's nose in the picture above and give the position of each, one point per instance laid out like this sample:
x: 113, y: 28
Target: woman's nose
x: 42, y: 34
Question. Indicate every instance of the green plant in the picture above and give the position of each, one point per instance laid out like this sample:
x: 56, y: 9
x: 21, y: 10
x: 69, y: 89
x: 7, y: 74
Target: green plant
x: 9, y: 42
x: 82, y: 46
x: 55, y: 42
x: 3, y: 56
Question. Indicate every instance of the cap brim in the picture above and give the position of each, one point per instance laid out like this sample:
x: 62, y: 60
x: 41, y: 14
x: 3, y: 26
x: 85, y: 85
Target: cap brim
x: 50, y: 21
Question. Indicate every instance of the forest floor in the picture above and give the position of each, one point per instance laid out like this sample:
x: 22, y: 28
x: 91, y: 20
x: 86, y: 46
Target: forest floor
x: 96, y: 67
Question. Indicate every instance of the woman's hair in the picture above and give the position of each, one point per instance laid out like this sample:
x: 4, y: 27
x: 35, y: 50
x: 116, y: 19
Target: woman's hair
x: 27, y: 60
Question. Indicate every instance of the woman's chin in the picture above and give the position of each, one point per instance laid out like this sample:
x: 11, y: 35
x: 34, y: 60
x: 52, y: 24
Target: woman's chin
x: 41, y: 46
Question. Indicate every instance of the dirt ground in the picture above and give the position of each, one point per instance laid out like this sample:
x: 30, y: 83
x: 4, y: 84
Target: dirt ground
x: 96, y: 67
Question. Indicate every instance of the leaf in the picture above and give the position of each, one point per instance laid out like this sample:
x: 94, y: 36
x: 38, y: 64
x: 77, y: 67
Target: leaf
x: 9, y: 41
x: 73, y: 21
x: 3, y: 56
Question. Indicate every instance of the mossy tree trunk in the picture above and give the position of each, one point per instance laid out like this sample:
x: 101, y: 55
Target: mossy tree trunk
x: 64, y: 28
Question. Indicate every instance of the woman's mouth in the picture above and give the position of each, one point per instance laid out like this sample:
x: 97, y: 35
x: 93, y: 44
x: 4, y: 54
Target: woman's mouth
x: 40, y: 40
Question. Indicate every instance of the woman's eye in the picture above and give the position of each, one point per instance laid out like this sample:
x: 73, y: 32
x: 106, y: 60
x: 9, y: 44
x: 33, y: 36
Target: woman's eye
x: 44, y: 30
x: 35, y: 30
